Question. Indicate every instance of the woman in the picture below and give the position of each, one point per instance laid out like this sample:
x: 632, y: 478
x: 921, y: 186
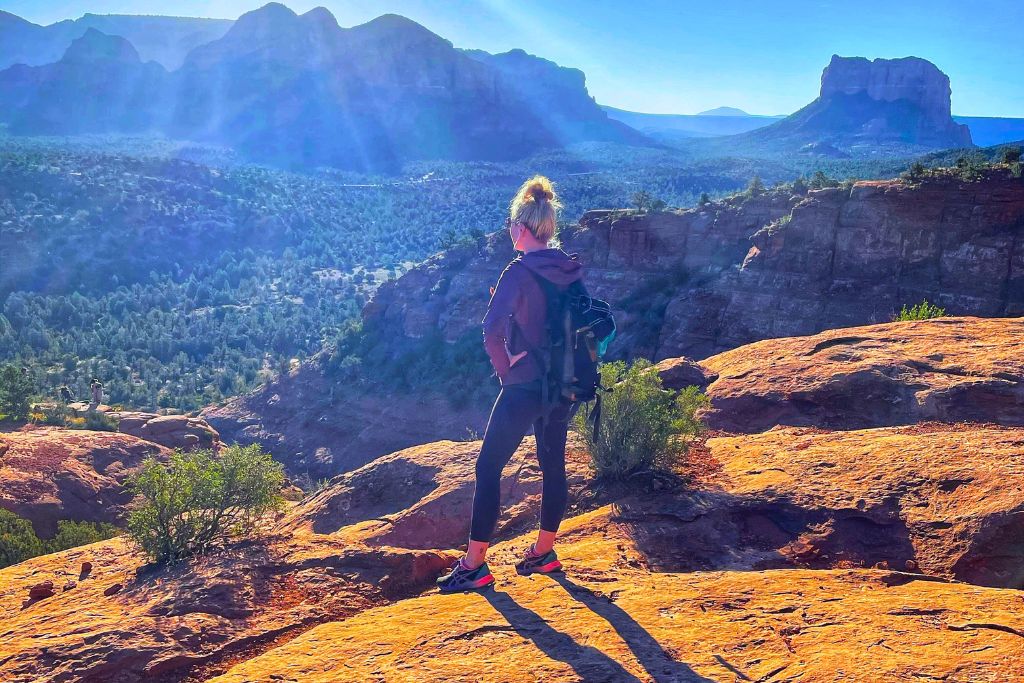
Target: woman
x: 515, y: 322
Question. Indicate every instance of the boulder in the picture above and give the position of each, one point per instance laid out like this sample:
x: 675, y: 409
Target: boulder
x: 173, y: 431
x: 946, y: 369
x: 419, y: 497
x: 41, y: 590
x: 49, y: 474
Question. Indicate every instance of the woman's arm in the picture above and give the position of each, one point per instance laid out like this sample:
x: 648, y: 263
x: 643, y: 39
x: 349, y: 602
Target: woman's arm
x: 502, y: 306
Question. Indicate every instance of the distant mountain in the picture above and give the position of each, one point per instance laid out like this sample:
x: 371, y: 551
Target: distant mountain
x: 100, y: 85
x: 162, y: 39
x: 724, y: 111
x: 558, y: 96
x: 673, y: 127
x: 898, y: 103
x: 300, y: 90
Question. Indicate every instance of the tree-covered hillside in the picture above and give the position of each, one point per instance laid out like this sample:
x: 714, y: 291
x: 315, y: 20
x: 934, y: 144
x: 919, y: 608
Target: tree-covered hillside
x: 178, y: 276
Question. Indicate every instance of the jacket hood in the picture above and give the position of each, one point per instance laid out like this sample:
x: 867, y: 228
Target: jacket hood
x: 553, y: 265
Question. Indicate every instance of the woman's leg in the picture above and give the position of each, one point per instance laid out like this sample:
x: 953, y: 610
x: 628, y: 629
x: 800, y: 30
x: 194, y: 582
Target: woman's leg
x: 551, y: 438
x: 511, y: 416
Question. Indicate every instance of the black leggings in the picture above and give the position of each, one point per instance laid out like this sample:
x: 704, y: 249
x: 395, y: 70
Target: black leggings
x: 516, y: 408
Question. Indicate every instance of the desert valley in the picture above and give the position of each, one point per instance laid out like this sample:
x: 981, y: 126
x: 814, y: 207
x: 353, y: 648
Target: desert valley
x: 243, y: 265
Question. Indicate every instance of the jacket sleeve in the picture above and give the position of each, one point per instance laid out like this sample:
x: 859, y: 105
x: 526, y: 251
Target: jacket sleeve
x: 496, y: 322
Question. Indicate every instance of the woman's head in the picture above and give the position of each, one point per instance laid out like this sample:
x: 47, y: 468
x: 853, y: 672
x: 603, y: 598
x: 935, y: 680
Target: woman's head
x: 535, y: 208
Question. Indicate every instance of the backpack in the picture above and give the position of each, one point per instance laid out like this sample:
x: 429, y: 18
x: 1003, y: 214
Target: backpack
x: 578, y: 330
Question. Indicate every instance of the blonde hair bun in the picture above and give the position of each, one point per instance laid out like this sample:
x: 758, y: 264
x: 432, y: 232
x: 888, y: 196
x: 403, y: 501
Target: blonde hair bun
x: 536, y: 206
x: 539, y: 188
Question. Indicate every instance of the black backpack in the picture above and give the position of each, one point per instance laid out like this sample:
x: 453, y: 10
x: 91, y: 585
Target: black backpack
x: 579, y: 329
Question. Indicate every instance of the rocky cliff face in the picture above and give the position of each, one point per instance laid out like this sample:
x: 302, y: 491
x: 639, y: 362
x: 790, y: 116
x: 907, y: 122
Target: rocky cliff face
x: 686, y: 283
x: 869, y: 105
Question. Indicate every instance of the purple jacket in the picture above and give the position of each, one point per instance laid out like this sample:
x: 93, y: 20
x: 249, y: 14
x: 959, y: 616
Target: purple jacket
x: 519, y: 307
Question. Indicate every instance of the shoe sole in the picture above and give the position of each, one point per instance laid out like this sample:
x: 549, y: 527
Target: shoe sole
x: 549, y: 568
x: 483, y: 582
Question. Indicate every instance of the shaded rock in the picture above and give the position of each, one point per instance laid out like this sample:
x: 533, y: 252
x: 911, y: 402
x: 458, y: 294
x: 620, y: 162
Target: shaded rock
x: 933, y: 498
x: 419, y: 497
x: 946, y: 369
x: 48, y: 474
x: 679, y: 373
x: 41, y: 590
x: 173, y: 431
x: 112, y: 590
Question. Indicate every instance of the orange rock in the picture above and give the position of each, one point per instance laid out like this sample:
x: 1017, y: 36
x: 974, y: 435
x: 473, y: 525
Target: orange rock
x: 608, y: 619
x: 947, y: 500
x: 187, y: 616
x: 420, y: 497
x: 947, y: 369
x: 41, y: 590
x: 48, y: 474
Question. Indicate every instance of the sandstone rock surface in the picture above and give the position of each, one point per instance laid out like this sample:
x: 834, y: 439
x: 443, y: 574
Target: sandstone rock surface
x: 49, y: 474
x: 609, y: 618
x: 123, y: 623
x: 946, y: 500
x: 419, y: 497
x: 946, y: 369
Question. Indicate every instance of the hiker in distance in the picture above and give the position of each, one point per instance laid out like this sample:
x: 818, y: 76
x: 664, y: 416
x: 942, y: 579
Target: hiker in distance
x: 530, y: 332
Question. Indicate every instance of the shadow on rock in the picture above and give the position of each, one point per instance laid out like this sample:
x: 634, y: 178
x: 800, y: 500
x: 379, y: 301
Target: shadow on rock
x: 659, y: 664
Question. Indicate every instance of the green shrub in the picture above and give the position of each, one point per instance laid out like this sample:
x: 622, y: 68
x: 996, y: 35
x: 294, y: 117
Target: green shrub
x: 643, y: 426
x: 18, y: 541
x: 100, y: 422
x: 73, y: 534
x: 1011, y: 155
x: 755, y: 187
x: 16, y: 391
x: 55, y: 415
x: 922, y: 311
x: 199, y: 500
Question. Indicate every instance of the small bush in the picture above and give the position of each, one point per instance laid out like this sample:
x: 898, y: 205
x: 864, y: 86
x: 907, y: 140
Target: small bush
x: 922, y: 311
x: 1011, y: 155
x: 643, y: 426
x: 18, y: 541
x: 200, y: 500
x: 100, y: 422
x: 73, y: 534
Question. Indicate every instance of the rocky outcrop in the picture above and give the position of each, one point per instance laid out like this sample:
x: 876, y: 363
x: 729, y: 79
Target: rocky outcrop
x: 418, y: 497
x: 945, y: 369
x: 692, y: 283
x: 910, y: 79
x: 189, y: 619
x: 837, y: 545
x: 611, y: 618
x: 173, y: 431
x: 49, y: 474
x: 867, y: 108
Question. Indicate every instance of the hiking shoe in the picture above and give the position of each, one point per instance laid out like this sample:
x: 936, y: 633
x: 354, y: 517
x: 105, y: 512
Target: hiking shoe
x: 462, y: 579
x: 538, y: 564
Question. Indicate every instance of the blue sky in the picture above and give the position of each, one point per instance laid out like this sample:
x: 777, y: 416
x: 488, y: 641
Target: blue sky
x: 683, y: 57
